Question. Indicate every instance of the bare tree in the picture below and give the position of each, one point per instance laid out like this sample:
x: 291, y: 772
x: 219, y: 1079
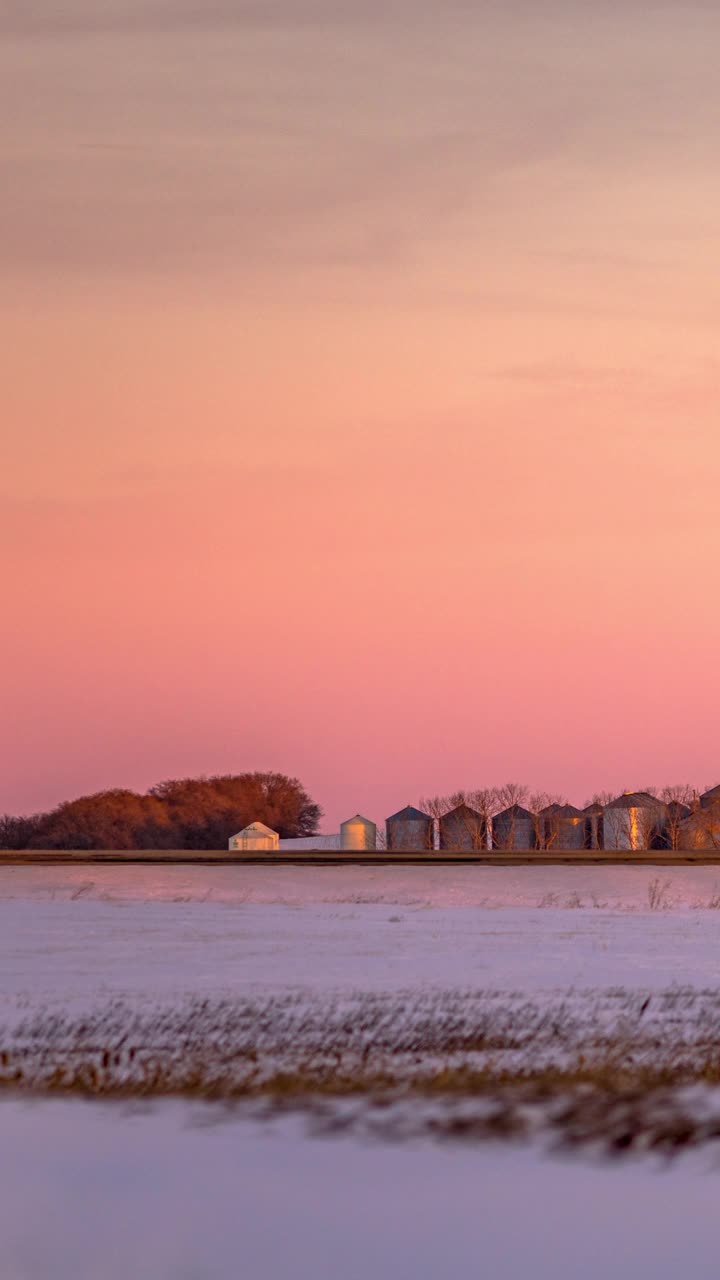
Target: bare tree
x: 635, y: 820
x: 703, y: 825
x: 485, y: 801
x: 542, y: 804
x: 603, y: 798
x: 512, y: 822
x: 680, y: 800
x: 511, y: 793
x: 456, y: 819
x: 436, y: 807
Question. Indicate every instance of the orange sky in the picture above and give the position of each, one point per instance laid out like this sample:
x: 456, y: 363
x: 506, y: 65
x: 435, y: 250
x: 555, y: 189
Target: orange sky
x: 361, y: 395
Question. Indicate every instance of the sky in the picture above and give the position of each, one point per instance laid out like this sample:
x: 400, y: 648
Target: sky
x: 360, y: 395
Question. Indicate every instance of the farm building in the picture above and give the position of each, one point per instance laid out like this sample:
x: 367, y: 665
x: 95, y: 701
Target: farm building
x: 710, y: 798
x: 409, y: 829
x: 358, y: 833
x: 463, y: 828
x: 701, y: 828
x: 633, y: 821
x: 297, y: 844
x: 594, y: 826
x: 676, y: 818
x: 561, y: 826
x: 256, y: 837
x: 514, y: 828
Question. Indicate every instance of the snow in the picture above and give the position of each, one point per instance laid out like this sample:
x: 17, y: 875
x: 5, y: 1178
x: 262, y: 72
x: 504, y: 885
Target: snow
x: 144, y: 932
x: 174, y: 1192
x: 176, y: 1189
x: 622, y: 888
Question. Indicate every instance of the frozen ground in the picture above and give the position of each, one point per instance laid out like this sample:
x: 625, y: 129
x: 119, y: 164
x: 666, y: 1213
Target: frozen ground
x: 202, y: 978
x: 128, y: 978
x: 156, y: 933
x: 616, y: 887
x: 98, y: 1191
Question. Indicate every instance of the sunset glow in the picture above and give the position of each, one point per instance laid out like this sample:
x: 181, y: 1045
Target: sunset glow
x: 361, y: 396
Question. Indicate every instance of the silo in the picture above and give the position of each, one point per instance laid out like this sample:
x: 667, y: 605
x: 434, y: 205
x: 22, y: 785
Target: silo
x: 594, y: 835
x: 514, y: 828
x: 709, y: 799
x: 358, y: 833
x: 463, y: 828
x: 568, y: 828
x: 701, y: 830
x: 635, y: 821
x: 675, y: 828
x: 409, y: 829
x: 546, y: 829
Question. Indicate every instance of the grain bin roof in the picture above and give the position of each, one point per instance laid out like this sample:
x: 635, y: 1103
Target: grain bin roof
x: 711, y: 796
x: 409, y: 814
x: 594, y: 808
x: 677, y: 807
x: 568, y: 811
x: 636, y: 800
x: 549, y: 809
x: 514, y: 811
x: 462, y: 811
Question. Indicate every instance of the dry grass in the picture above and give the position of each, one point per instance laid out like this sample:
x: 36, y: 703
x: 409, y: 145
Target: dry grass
x: 605, y: 1068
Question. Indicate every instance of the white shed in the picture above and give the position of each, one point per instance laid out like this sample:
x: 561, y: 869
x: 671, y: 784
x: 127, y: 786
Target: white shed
x: 256, y: 836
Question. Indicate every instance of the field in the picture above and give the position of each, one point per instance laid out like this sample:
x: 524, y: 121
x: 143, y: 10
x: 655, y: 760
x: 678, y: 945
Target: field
x: 196, y: 1054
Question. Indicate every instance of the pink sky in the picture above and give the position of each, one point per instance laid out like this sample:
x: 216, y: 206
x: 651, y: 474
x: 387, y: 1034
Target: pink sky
x: 361, y: 383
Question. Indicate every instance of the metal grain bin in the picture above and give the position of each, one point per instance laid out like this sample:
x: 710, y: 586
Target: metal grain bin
x: 545, y: 827
x: 409, y: 829
x: 564, y: 827
x: 635, y: 820
x: 514, y: 828
x: 594, y: 826
x: 463, y: 828
x: 358, y: 833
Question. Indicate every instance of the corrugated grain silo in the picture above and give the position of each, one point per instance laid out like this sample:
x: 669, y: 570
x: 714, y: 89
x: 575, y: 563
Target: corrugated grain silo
x: 710, y: 798
x: 565, y: 828
x: 634, y: 821
x: 463, y: 828
x: 546, y: 827
x: 514, y: 828
x: 594, y: 824
x: 358, y: 833
x: 675, y: 827
x: 409, y: 829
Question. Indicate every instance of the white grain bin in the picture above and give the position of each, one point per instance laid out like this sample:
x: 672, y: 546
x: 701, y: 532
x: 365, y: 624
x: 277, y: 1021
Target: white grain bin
x: 358, y: 833
x: 635, y: 820
x: 257, y: 837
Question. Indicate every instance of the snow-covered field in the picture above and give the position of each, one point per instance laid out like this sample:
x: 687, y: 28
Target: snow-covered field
x: 622, y: 888
x: 98, y: 1191
x: 121, y: 974
x: 147, y: 933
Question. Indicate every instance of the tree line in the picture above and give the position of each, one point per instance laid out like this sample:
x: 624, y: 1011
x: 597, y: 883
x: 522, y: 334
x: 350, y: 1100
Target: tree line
x: 183, y: 813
